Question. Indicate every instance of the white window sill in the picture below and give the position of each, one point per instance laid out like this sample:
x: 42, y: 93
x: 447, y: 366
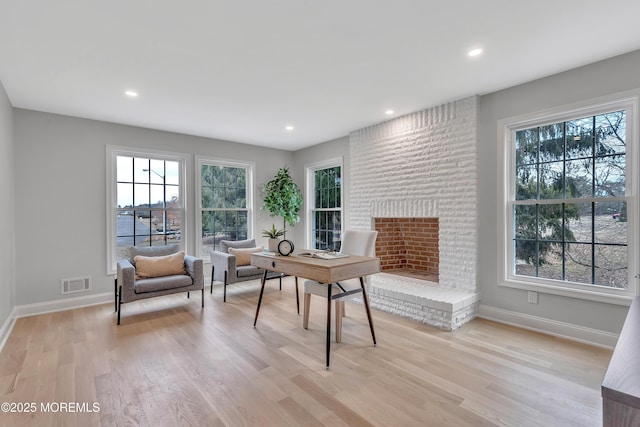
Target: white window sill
x: 612, y: 296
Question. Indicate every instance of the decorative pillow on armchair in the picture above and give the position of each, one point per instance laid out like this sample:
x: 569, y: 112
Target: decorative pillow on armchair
x: 151, y: 251
x: 243, y: 256
x: 158, y: 266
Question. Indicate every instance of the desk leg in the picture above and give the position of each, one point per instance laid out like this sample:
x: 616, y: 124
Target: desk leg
x: 297, y: 297
x: 264, y: 280
x: 329, y: 286
x: 365, y: 298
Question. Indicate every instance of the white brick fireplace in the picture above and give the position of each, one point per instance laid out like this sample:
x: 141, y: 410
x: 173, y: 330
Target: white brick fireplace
x: 423, y: 165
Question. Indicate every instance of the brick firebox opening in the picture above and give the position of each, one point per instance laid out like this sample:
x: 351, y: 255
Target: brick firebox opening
x: 408, y: 246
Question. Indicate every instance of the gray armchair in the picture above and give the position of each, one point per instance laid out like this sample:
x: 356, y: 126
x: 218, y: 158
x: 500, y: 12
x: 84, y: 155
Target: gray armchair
x: 225, y: 269
x: 128, y: 288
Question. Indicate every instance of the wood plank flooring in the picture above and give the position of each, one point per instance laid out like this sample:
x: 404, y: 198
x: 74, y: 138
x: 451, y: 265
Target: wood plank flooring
x: 172, y: 363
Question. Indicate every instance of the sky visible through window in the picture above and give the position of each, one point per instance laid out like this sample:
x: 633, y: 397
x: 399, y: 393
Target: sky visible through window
x: 141, y: 173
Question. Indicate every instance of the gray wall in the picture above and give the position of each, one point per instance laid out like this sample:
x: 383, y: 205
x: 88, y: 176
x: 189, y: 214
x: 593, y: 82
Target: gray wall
x: 602, y: 78
x: 7, y: 239
x: 60, y: 191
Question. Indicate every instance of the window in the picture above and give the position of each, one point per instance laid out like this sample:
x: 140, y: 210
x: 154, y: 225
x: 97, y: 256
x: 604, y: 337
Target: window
x: 225, y: 199
x: 324, y: 193
x: 147, y: 207
x: 570, y: 201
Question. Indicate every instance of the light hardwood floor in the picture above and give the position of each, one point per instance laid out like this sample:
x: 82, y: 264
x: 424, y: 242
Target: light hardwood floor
x: 172, y: 363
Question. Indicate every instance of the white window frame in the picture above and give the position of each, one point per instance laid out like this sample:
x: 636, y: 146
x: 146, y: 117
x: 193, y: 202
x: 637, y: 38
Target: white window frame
x: 112, y: 153
x: 250, y: 168
x: 310, y: 170
x: 506, y: 192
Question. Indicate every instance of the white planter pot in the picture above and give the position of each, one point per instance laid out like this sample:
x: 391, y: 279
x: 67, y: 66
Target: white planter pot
x: 273, y: 245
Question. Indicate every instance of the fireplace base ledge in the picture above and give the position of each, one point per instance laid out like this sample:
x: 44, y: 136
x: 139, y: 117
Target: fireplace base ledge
x: 423, y: 301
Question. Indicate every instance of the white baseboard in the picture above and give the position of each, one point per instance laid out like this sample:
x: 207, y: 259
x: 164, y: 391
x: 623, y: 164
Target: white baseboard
x: 6, y: 328
x: 63, y: 304
x: 569, y: 331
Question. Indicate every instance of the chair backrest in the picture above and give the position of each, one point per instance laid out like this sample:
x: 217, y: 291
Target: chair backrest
x: 359, y: 242
x: 236, y: 244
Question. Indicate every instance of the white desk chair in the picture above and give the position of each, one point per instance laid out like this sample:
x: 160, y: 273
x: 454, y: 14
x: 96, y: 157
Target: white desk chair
x: 354, y: 242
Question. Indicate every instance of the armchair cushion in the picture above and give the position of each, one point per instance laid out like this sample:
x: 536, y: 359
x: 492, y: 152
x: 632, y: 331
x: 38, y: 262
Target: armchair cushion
x: 159, y: 266
x: 243, y: 255
x: 248, y: 271
x: 162, y: 283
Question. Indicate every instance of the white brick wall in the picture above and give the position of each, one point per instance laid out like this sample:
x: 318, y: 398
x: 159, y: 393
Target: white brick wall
x: 423, y: 164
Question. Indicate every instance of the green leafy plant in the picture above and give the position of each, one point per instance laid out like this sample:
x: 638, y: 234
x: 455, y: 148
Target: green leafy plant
x: 283, y: 198
x: 272, y: 233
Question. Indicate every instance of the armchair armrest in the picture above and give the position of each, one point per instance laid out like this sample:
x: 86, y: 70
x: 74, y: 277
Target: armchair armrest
x: 126, y: 274
x: 194, y: 269
x: 223, y: 262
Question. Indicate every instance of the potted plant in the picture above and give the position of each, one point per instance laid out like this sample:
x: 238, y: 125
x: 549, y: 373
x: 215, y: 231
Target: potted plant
x: 273, y: 235
x: 283, y: 198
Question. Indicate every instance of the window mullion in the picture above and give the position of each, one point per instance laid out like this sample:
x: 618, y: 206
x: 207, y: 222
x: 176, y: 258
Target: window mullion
x: 564, y: 243
x: 593, y: 243
x: 564, y: 196
x: 537, y: 237
x: 593, y: 205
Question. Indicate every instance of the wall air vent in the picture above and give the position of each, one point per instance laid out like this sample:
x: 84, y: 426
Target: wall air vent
x: 75, y: 284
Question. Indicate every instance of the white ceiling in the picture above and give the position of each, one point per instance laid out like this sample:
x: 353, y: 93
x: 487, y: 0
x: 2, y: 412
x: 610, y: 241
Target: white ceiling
x: 242, y: 70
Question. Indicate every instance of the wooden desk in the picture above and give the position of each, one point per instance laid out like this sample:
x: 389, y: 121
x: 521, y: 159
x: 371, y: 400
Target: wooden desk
x: 323, y: 271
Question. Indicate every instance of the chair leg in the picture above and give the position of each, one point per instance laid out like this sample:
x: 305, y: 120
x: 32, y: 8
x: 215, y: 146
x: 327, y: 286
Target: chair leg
x: 297, y: 297
x: 305, y: 315
x: 115, y: 292
x: 328, y: 344
x: 280, y: 279
x: 203, y: 297
x: 224, y: 297
x: 212, y: 268
x: 119, y: 303
x: 188, y: 294
x: 339, y: 306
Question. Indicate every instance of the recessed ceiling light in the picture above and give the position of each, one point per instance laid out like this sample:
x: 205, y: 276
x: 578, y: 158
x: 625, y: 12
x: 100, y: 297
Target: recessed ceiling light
x: 289, y: 128
x: 389, y: 112
x: 475, y: 52
x: 131, y: 93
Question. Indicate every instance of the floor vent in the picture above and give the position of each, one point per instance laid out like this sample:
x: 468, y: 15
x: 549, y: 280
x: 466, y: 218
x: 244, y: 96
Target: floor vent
x: 75, y: 284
